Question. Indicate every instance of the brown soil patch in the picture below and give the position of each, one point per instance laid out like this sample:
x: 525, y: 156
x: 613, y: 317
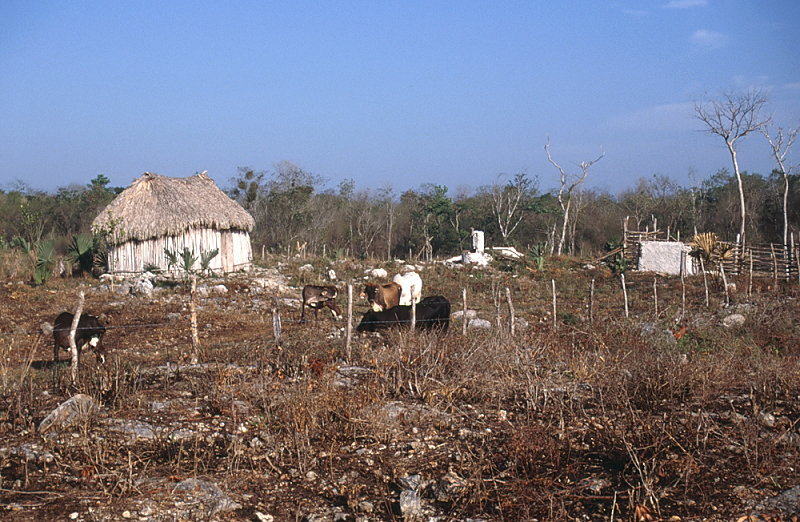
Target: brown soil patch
x: 612, y: 419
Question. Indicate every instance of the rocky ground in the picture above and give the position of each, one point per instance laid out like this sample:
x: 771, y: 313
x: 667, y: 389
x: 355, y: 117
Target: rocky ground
x: 617, y: 421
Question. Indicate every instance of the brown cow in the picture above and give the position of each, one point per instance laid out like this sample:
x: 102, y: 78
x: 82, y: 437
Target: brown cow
x: 318, y: 297
x: 382, y: 297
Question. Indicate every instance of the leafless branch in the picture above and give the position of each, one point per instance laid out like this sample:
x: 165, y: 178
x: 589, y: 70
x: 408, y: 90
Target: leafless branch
x: 732, y: 116
x: 779, y: 150
x: 505, y: 203
x: 565, y: 207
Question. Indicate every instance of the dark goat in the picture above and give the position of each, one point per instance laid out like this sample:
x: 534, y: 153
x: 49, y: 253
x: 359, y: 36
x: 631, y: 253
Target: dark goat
x: 382, y: 297
x: 89, y: 331
x: 317, y: 297
x: 433, y: 313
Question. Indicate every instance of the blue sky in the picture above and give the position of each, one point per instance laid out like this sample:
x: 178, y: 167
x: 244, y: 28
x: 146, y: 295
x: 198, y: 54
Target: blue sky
x: 389, y: 94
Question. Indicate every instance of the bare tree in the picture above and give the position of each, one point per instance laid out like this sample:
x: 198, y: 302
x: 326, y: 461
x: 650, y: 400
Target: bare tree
x: 732, y: 116
x: 576, y: 181
x: 387, y: 194
x: 505, y: 203
x: 658, y: 197
x: 363, y: 220
x: 286, y: 212
x: 779, y: 150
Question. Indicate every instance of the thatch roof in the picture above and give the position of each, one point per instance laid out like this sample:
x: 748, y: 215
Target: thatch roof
x: 155, y: 206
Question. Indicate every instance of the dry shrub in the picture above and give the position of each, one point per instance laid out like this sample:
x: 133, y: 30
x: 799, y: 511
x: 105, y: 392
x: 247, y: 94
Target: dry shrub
x: 549, y: 424
x: 775, y: 327
x: 15, y: 266
x: 310, y: 410
x: 537, y: 453
x: 9, y: 373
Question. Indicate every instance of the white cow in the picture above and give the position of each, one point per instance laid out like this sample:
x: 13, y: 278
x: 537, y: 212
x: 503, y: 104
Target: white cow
x: 406, y: 282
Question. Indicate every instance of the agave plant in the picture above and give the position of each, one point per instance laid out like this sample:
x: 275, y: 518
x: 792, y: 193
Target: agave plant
x: 188, y: 259
x: 82, y: 251
x: 707, y: 247
x: 101, y: 260
x: 172, y: 258
x: 45, y: 256
x: 205, y: 260
x: 538, y: 253
x: 41, y: 255
x: 22, y: 243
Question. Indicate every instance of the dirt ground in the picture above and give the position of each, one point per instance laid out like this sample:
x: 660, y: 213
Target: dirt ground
x: 609, y: 420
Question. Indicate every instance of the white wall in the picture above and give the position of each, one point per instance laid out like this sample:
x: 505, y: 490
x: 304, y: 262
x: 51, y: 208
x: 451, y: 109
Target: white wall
x: 664, y: 257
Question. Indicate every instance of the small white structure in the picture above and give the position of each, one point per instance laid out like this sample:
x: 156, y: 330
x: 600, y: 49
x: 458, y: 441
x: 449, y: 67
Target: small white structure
x: 664, y: 257
x: 507, y: 253
x: 471, y: 258
x: 477, y: 241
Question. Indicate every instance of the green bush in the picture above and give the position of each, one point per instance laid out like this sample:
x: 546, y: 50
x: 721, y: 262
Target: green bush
x: 82, y: 252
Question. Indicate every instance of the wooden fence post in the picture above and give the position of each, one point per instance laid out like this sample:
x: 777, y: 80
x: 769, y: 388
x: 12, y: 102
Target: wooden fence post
x: 797, y: 257
x: 624, y: 234
x: 555, y: 323
x: 349, y: 325
x: 464, y: 308
x: 705, y: 280
x: 655, y: 296
x: 510, y: 309
x: 496, y: 296
x: 591, y: 303
x: 193, y: 319
x: 276, y: 321
x: 797, y: 261
x: 76, y: 317
x: 750, y: 279
x: 413, y: 311
x: 683, y: 284
x: 624, y: 293
x: 774, y: 264
x: 787, y: 261
x: 725, y: 284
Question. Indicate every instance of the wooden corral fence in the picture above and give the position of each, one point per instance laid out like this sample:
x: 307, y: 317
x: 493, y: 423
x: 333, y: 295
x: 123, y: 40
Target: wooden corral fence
x: 632, y: 241
x: 763, y: 260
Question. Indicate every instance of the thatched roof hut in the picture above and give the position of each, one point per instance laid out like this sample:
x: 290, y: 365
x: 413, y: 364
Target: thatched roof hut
x: 158, y: 213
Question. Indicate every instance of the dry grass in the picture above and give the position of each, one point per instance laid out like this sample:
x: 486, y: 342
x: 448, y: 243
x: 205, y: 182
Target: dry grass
x: 554, y: 423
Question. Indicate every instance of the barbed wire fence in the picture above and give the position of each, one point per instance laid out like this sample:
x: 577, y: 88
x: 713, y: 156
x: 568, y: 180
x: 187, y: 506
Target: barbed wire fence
x: 505, y: 319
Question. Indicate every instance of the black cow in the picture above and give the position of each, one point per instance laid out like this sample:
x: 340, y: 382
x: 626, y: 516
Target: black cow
x: 89, y: 331
x: 433, y: 313
x: 318, y: 297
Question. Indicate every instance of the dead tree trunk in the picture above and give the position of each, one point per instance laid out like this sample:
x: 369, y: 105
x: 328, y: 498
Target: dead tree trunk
x: 565, y: 207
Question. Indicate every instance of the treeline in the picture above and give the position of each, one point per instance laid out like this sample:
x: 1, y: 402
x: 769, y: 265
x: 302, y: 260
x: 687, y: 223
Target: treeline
x: 31, y: 215
x: 293, y: 208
